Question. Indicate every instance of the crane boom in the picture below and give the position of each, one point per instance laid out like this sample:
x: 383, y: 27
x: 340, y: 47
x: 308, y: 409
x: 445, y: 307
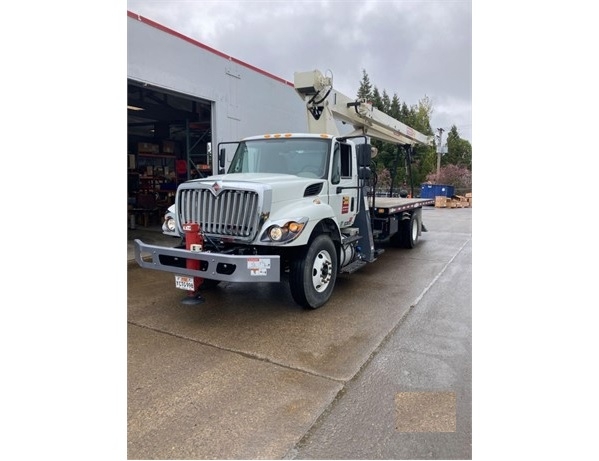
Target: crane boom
x: 325, y: 105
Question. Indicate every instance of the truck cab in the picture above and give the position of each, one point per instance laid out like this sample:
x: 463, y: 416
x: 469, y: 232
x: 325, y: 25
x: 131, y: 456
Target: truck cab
x: 322, y: 169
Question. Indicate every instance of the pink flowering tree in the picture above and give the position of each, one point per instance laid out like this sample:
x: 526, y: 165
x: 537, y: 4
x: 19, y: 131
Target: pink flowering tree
x: 453, y: 175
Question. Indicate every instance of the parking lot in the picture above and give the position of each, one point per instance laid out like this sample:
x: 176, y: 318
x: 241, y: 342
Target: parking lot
x: 248, y: 374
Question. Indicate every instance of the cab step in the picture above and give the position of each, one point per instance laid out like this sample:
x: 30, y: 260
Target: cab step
x: 353, y: 267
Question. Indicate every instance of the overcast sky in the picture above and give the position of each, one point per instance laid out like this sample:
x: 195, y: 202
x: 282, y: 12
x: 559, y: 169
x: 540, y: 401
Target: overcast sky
x: 409, y: 48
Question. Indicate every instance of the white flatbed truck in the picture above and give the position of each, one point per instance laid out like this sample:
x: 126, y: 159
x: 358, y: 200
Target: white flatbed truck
x: 291, y: 206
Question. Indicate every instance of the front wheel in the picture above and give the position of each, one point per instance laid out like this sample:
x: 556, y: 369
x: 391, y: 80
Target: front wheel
x: 313, y: 273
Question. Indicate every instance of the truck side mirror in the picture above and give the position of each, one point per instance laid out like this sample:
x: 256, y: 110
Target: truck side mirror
x: 364, y: 153
x: 221, y: 160
x: 364, y: 173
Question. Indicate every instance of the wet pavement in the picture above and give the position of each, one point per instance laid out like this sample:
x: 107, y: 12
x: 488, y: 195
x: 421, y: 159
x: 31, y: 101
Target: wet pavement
x: 382, y: 371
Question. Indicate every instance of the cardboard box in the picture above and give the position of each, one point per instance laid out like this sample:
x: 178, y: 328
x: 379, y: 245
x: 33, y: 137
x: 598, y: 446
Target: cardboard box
x: 147, y: 148
x: 441, y: 201
x: 168, y: 147
x: 461, y: 201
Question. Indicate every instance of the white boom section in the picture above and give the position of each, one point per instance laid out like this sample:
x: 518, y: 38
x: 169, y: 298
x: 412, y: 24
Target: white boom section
x: 325, y: 105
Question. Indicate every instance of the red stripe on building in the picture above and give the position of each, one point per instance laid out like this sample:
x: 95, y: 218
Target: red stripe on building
x: 205, y: 47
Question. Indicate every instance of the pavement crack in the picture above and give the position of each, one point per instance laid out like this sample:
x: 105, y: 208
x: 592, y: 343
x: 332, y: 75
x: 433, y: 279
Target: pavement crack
x: 240, y: 352
x: 433, y: 281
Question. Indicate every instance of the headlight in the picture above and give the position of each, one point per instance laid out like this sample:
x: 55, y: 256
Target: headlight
x: 284, y: 232
x: 275, y: 233
x: 170, y: 224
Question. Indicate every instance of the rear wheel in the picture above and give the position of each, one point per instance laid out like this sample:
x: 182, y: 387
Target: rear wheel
x: 313, y: 273
x: 409, y: 232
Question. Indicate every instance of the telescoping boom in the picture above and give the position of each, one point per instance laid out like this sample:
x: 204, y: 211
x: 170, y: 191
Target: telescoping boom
x: 325, y: 105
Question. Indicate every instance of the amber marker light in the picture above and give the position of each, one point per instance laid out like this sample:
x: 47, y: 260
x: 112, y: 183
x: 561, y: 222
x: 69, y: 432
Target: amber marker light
x: 295, y: 227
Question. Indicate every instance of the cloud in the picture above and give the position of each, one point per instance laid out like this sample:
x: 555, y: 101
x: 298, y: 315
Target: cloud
x: 409, y: 48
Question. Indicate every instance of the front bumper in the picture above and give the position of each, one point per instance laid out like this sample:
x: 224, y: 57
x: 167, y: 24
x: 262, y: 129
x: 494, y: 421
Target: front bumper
x: 214, y: 266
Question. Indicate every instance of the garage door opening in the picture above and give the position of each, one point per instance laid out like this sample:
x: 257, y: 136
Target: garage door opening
x: 169, y: 138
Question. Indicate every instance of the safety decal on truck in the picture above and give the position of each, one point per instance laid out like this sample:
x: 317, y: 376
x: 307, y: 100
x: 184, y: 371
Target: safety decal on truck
x: 258, y: 266
x: 345, y: 204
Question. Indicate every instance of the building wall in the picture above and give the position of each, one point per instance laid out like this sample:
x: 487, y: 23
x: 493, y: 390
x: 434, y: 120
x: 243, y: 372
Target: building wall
x: 246, y: 100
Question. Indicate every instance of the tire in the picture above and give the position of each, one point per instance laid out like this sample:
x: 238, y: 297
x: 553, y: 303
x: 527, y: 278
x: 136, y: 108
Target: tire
x: 313, y: 273
x: 409, y: 232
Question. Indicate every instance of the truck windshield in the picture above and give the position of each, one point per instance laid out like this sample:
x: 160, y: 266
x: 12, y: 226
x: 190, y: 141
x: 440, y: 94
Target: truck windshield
x: 307, y: 157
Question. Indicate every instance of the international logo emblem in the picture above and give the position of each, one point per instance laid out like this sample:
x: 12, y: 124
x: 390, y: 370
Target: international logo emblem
x: 216, y: 188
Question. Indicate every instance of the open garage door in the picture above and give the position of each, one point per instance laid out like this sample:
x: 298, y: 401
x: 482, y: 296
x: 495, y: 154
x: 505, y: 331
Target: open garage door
x: 169, y: 141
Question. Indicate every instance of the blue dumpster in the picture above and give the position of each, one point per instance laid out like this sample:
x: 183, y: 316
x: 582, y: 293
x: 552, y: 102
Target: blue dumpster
x: 435, y: 190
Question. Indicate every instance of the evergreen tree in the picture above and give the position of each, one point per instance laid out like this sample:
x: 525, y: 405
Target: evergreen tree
x: 395, y: 108
x: 459, y: 151
x: 376, y: 99
x: 404, y: 114
x: 365, y: 90
x: 386, y: 103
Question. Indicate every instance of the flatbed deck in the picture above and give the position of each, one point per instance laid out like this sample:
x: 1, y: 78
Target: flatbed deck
x: 391, y: 205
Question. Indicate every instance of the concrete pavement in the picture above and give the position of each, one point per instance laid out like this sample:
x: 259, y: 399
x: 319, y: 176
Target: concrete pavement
x: 150, y: 234
x: 250, y: 375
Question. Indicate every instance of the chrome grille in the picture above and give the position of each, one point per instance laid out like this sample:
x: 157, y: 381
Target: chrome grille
x: 232, y: 213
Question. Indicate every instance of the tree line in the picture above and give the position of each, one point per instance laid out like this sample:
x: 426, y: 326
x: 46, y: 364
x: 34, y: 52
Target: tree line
x: 393, y: 164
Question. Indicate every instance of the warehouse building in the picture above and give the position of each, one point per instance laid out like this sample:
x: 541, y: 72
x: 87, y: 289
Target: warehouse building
x: 183, y: 99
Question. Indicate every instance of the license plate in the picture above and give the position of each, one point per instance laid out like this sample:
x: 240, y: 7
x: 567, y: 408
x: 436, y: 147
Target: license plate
x: 184, y: 282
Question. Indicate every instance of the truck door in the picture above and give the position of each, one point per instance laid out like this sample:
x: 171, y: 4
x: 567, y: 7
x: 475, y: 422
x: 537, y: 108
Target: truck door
x: 344, y: 179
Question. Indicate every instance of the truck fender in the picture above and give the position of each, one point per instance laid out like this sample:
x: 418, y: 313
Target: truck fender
x: 317, y: 213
